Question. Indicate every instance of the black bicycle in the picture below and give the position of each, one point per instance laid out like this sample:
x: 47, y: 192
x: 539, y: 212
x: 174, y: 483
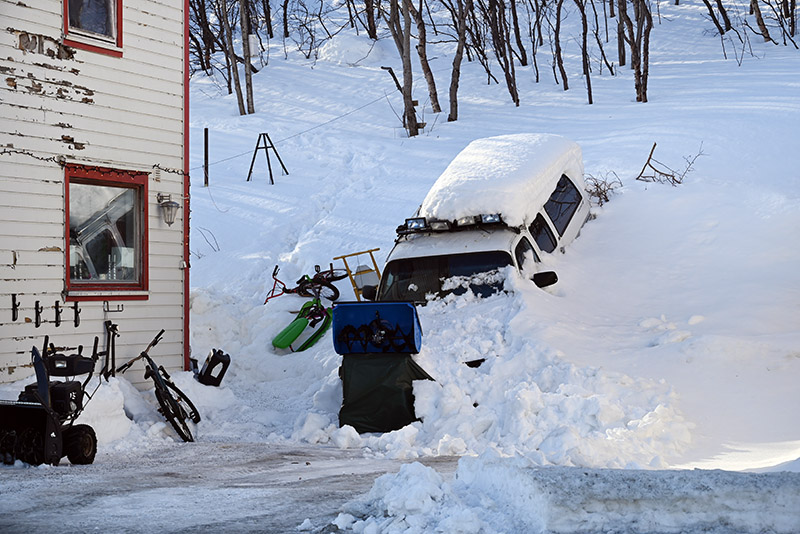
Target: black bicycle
x: 318, y: 285
x: 175, y: 406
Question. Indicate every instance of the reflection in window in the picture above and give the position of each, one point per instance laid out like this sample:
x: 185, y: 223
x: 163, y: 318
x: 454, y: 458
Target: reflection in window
x: 414, y: 278
x: 563, y: 204
x: 104, y: 237
x: 542, y: 234
x: 96, y: 16
x: 525, y: 254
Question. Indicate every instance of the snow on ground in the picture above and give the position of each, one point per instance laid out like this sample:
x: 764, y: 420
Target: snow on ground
x: 670, y: 341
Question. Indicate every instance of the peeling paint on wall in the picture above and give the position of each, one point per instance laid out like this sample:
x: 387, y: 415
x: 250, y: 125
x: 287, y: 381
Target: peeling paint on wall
x: 42, y: 44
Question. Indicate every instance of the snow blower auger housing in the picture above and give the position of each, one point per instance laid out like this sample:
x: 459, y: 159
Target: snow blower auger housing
x: 39, y: 427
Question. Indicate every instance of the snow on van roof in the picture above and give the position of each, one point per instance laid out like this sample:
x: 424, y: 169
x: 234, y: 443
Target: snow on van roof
x: 507, y: 174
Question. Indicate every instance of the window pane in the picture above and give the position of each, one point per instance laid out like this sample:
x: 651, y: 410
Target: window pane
x: 104, y: 240
x: 563, y: 204
x: 525, y: 254
x: 96, y: 16
x: 542, y: 234
x: 413, y: 278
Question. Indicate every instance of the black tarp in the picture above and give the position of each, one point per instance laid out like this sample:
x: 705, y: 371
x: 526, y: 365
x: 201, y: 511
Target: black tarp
x: 377, y: 395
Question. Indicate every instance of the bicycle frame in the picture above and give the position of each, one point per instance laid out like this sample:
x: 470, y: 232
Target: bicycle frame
x: 166, y: 392
x: 308, y: 285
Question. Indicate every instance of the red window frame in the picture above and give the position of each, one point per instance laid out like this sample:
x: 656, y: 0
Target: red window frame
x: 84, y: 41
x: 137, y: 180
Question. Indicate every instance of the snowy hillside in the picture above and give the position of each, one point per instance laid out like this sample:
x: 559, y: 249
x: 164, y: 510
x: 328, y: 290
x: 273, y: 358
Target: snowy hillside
x: 671, y: 341
x: 672, y: 336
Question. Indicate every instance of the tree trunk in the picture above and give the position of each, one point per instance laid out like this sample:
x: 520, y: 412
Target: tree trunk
x: 523, y: 57
x: 762, y: 27
x: 369, y: 13
x: 638, y: 38
x: 422, y: 52
x: 234, y: 68
x: 648, y: 22
x: 495, y: 16
x: 285, y: 19
x: 268, y: 17
x: 244, y: 16
x: 464, y: 7
x: 724, y: 14
x: 401, y: 32
x: 584, y: 47
x: 557, y: 39
x: 409, y: 112
x: 713, y: 17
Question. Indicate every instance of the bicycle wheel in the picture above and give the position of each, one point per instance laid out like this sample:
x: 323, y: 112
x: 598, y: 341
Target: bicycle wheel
x: 173, y: 412
x: 193, y: 414
x: 311, y: 288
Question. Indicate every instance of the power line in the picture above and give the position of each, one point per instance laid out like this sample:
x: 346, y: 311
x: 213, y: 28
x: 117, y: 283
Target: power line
x: 299, y: 133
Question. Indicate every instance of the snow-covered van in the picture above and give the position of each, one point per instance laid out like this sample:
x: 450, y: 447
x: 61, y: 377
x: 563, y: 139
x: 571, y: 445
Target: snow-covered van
x: 503, y: 201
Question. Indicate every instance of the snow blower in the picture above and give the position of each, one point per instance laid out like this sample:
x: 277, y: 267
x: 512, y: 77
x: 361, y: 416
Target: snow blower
x: 39, y: 427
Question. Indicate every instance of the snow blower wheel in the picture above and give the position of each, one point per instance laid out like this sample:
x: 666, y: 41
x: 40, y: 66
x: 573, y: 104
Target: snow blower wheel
x: 80, y: 444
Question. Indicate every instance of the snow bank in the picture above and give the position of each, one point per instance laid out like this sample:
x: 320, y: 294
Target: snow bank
x: 525, y: 398
x: 351, y: 49
x: 490, y: 494
x: 507, y: 174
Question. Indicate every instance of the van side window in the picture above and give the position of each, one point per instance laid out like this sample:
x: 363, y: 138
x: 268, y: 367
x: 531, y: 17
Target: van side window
x: 525, y: 253
x: 563, y: 204
x: 542, y: 234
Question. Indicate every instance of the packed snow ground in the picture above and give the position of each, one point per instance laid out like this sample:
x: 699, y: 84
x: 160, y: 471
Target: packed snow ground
x: 672, y: 339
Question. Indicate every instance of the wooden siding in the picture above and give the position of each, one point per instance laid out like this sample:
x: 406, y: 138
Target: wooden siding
x: 92, y: 109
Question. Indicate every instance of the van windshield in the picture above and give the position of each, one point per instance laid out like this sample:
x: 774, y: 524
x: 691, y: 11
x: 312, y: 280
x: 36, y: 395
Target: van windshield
x: 414, y: 278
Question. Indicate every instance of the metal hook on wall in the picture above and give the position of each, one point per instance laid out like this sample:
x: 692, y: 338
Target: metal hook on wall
x: 107, y: 307
x: 76, y: 311
x: 38, y: 317
x: 14, y: 307
x: 58, y: 313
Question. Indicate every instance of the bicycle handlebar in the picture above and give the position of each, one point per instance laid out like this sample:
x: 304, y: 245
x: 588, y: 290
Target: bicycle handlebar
x: 125, y: 366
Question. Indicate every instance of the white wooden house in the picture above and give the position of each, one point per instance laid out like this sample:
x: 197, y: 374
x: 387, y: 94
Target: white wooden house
x: 93, y: 145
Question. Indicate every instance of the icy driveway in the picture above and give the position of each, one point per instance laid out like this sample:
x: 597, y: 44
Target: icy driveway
x: 251, y: 487
x: 230, y: 487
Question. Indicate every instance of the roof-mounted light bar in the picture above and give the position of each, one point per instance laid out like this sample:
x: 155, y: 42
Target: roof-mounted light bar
x: 421, y: 224
x: 416, y: 223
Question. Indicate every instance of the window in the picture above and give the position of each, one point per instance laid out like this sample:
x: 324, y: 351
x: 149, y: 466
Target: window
x: 542, y: 234
x: 563, y: 204
x: 525, y: 254
x: 94, y: 25
x: 414, y: 278
x: 106, y: 230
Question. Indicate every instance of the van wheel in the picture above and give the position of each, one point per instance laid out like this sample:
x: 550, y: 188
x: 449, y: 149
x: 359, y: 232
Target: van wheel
x: 80, y: 444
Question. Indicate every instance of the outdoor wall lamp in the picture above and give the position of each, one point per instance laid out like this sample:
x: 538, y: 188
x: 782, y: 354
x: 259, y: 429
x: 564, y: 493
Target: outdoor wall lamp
x: 169, y: 208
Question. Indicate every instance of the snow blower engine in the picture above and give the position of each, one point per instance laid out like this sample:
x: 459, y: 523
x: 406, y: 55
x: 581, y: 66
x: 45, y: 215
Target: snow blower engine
x: 39, y: 427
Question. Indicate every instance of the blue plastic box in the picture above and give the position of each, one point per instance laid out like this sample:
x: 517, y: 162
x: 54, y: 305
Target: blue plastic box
x: 370, y: 327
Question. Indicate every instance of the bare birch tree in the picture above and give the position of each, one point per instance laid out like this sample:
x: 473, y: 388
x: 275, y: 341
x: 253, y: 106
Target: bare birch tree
x: 244, y: 17
x: 463, y: 8
x: 422, y: 52
x: 401, y: 33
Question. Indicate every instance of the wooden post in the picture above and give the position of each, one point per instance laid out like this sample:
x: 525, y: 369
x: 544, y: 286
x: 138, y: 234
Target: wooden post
x: 205, y: 155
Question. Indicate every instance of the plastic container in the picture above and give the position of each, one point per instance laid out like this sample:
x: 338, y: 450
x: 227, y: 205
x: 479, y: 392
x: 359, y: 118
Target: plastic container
x: 214, y: 368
